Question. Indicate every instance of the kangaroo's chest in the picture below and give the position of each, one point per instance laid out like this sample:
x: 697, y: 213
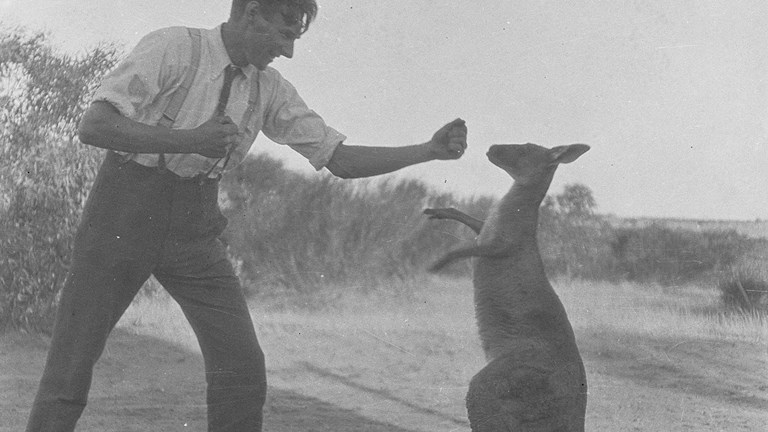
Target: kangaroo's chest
x: 493, y: 229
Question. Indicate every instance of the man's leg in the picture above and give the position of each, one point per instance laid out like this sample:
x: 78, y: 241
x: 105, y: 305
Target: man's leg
x: 110, y: 261
x: 202, y: 281
x: 92, y: 302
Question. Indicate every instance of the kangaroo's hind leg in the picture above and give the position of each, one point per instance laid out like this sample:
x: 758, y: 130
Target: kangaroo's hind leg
x: 506, y: 396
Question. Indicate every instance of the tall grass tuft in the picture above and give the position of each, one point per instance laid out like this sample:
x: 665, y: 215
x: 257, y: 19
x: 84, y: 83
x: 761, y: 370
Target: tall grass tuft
x: 745, y: 287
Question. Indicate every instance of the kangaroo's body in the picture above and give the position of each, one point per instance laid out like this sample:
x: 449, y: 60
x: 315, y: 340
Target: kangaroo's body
x: 534, y: 379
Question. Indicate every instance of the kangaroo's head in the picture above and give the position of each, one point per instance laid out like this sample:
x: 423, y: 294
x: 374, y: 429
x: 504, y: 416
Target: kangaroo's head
x: 533, y: 164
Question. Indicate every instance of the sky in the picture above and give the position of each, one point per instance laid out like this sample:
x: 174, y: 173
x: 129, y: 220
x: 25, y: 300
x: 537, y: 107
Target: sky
x: 671, y: 96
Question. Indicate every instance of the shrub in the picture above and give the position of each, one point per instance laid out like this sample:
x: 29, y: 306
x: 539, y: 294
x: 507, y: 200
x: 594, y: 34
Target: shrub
x: 671, y: 256
x: 44, y: 174
x: 576, y: 242
x: 745, y: 288
x: 299, y: 232
x: 573, y: 239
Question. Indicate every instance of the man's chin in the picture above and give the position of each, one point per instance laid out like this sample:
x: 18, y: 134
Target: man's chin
x: 263, y: 64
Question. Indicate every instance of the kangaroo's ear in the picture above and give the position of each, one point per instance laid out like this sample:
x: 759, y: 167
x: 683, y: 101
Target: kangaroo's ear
x: 567, y: 153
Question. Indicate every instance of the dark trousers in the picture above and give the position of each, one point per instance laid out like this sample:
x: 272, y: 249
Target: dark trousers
x: 140, y: 221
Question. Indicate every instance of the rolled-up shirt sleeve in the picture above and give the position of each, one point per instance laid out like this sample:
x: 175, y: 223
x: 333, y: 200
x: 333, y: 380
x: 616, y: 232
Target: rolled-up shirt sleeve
x: 152, y: 67
x: 289, y: 121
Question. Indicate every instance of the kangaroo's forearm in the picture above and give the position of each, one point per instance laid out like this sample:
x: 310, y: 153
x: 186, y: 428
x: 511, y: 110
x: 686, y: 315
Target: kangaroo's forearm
x: 487, y: 251
x: 474, y: 224
x: 452, y: 214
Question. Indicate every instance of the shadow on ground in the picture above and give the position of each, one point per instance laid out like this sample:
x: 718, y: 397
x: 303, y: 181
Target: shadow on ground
x: 143, y: 383
x: 382, y: 395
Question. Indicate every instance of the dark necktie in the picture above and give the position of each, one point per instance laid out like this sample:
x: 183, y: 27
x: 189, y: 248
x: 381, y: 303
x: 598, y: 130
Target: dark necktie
x: 221, y: 107
x: 229, y: 76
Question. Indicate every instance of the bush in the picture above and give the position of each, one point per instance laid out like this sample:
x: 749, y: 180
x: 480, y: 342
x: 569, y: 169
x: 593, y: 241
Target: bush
x: 44, y: 173
x: 746, y: 289
x: 572, y: 244
x: 573, y: 239
x: 745, y: 286
x: 673, y: 256
x: 299, y: 232
x: 576, y: 242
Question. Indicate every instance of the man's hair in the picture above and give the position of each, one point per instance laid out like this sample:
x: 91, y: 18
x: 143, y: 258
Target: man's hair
x: 293, y: 11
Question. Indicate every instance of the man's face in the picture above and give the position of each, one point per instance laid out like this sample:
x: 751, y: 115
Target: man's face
x: 268, y: 37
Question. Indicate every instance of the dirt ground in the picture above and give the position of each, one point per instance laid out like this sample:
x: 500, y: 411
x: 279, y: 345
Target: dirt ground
x: 147, y: 384
x: 405, y: 368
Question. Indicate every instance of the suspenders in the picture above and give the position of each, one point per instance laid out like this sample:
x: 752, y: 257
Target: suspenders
x: 178, y: 97
x: 174, y: 105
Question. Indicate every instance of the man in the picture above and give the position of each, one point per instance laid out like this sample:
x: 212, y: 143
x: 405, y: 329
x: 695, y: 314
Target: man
x: 153, y: 207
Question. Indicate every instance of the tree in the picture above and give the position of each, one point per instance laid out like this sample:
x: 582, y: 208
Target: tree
x: 577, y: 201
x: 44, y: 172
x: 572, y: 235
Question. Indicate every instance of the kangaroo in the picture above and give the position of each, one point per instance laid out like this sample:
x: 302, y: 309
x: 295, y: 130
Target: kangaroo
x: 534, y: 379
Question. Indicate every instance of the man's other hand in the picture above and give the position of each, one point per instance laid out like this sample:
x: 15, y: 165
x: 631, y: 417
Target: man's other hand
x: 216, y: 137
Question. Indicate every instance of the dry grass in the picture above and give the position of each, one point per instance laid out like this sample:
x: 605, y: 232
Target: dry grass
x: 438, y: 312
x: 657, y: 311
x: 406, y: 354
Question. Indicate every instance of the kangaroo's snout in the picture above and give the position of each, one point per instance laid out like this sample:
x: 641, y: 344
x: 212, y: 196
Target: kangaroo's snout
x: 518, y: 160
x: 500, y: 150
x: 502, y: 155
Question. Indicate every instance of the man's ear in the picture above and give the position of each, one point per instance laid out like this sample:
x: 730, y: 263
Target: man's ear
x: 252, y: 10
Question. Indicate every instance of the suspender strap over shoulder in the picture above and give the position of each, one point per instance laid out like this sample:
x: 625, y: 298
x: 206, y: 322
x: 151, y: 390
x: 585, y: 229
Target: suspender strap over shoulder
x: 178, y: 97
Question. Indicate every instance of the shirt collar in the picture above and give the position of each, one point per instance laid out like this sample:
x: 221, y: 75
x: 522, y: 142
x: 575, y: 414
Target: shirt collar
x: 219, y: 57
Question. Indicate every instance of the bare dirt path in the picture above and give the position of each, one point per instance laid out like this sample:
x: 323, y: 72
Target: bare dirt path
x: 146, y: 384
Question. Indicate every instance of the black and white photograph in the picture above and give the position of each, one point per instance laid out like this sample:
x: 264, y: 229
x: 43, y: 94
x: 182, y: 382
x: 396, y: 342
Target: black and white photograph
x: 370, y: 216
